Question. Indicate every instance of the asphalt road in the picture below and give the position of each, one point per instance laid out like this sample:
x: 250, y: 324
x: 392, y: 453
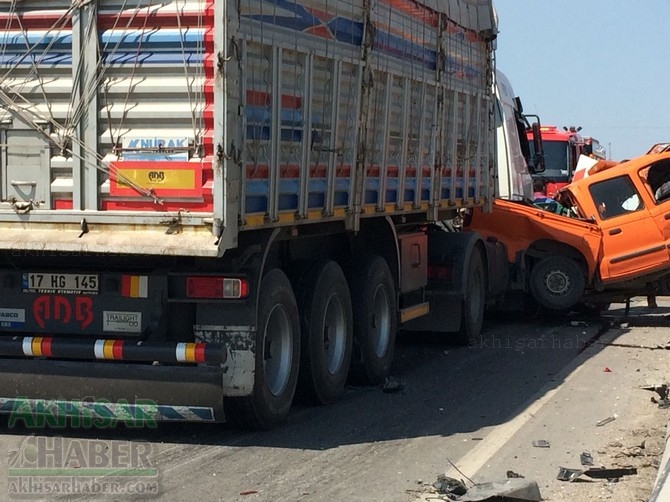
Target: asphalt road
x: 468, y: 406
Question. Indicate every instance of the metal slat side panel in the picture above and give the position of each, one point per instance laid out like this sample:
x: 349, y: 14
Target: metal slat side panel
x: 385, y: 140
x: 105, y: 82
x: 404, y: 119
x: 424, y: 141
x: 329, y: 130
x: 306, y: 165
x: 246, y: 91
x: 432, y: 52
x: 452, y: 143
x: 300, y: 60
x: 85, y: 107
x: 150, y: 80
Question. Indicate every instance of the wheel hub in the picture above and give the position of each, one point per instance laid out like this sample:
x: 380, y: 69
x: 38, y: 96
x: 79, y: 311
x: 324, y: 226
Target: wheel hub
x: 557, y: 282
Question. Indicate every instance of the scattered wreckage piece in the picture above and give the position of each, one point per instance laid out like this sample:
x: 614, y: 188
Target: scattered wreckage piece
x: 567, y: 474
x: 585, y: 458
x: 392, y: 386
x: 513, y: 489
x: 662, y: 391
x: 610, y: 474
x: 541, y: 443
x: 607, y: 420
x: 514, y: 475
x: 571, y: 475
x: 662, y: 403
x: 450, y: 486
x: 520, y: 490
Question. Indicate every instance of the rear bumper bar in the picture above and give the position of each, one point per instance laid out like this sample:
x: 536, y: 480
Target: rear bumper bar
x: 135, y: 394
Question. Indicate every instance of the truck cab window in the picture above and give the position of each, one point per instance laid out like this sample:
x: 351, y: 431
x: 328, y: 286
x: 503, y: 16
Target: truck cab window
x: 658, y: 180
x: 615, y: 197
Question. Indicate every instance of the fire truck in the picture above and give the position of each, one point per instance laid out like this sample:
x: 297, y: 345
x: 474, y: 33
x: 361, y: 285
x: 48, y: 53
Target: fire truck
x: 561, y: 151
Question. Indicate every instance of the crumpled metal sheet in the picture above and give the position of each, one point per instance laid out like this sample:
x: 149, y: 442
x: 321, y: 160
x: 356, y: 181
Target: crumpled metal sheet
x: 508, y: 490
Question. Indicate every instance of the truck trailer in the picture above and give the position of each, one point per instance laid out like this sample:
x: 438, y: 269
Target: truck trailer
x: 208, y: 204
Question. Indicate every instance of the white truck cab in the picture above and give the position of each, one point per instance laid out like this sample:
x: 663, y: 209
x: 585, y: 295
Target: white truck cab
x: 514, y: 179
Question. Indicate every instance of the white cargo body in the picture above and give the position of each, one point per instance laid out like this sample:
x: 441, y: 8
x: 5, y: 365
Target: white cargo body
x: 167, y: 166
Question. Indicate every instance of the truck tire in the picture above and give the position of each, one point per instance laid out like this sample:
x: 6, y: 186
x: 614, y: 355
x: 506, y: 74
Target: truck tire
x: 374, y: 307
x: 326, y: 330
x: 277, y: 358
x: 557, y: 283
x: 474, y: 299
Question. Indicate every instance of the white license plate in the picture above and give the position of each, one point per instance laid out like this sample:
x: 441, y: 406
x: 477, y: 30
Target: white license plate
x: 61, y: 283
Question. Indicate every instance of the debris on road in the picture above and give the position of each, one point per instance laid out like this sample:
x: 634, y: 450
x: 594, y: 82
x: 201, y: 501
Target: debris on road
x: 515, y: 488
x: 391, y: 385
x: 662, y: 391
x: 585, y: 458
x: 607, y: 370
x: 514, y: 475
x: 509, y: 489
x: 449, y: 486
x: 662, y: 403
x: 567, y: 474
x: 606, y: 420
x: 579, y: 323
x: 610, y: 474
x: 541, y: 443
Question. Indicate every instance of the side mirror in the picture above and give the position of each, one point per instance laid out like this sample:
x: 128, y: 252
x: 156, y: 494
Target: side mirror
x: 538, y: 148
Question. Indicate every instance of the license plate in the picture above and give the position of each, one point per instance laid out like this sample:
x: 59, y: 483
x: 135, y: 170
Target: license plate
x: 60, y: 283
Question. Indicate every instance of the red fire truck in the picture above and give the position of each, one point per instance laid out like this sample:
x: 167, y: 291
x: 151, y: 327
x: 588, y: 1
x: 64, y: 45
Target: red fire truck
x: 561, y: 151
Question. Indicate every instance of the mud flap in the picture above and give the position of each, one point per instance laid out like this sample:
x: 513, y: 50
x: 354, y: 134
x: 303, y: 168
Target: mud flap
x: 238, y: 371
x: 497, y: 270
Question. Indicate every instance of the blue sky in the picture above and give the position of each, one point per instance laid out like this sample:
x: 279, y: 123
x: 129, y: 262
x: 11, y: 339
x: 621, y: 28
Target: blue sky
x: 603, y: 65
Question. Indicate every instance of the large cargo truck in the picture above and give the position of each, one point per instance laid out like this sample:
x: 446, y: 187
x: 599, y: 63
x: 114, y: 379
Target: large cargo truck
x: 208, y: 204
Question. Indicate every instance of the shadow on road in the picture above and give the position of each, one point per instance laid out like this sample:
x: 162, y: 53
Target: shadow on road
x: 373, y: 445
x: 446, y: 389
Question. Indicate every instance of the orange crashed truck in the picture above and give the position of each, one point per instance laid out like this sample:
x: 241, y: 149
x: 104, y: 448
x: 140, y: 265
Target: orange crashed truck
x: 606, y: 238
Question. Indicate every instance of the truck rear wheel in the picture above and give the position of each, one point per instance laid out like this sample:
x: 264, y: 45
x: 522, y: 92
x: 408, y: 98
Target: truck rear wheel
x: 326, y: 329
x: 277, y: 357
x: 557, y: 283
x: 472, y: 311
x: 374, y: 308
